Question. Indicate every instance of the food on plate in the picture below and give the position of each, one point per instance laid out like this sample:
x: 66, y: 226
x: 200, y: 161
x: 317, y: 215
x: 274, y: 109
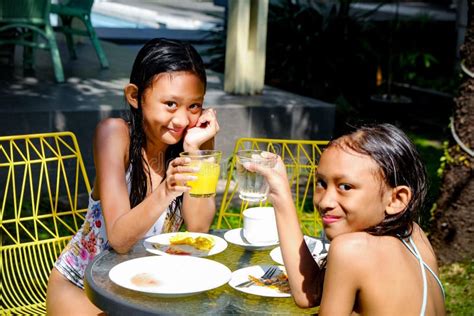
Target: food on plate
x: 199, y: 242
x: 187, y: 245
x: 176, y: 251
x: 278, y: 282
x: 144, y: 280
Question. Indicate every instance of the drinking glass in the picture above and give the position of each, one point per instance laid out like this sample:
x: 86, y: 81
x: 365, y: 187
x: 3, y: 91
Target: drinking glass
x: 208, y: 163
x: 252, y: 186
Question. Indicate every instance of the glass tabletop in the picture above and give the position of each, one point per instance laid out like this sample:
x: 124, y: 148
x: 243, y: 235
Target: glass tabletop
x: 223, y: 300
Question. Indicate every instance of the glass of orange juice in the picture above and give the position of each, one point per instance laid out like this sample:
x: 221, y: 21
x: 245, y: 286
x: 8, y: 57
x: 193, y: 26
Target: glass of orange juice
x: 208, y: 163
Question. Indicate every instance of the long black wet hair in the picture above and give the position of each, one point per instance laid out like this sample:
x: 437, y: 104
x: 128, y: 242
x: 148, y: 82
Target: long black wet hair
x: 399, y: 164
x: 155, y: 57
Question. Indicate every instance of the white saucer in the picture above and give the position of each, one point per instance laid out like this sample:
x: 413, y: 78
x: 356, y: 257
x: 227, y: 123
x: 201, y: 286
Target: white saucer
x: 315, y: 246
x: 276, y: 256
x: 236, y: 237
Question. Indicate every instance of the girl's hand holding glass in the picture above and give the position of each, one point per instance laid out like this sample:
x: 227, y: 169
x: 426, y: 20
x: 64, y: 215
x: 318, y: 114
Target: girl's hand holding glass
x: 276, y: 176
x: 178, y: 173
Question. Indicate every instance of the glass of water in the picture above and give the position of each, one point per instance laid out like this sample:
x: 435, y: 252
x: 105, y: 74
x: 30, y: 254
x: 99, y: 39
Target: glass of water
x: 252, y: 186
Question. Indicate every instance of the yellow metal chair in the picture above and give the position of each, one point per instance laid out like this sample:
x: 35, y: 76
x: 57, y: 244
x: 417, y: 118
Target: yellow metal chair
x: 301, y: 160
x: 42, y: 178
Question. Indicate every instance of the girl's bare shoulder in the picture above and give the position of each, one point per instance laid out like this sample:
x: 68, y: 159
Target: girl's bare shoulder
x: 112, y: 136
x: 426, y: 249
x: 360, y: 245
x: 114, y: 130
x: 112, y: 125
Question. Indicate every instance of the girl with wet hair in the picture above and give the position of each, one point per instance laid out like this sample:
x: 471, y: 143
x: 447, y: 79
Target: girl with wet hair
x: 399, y: 164
x: 138, y: 190
x: 370, y: 185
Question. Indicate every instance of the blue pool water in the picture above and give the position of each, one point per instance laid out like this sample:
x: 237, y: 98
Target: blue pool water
x: 172, y: 22
x: 100, y: 20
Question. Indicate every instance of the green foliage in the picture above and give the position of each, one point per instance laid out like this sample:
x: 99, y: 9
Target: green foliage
x: 319, y: 50
x: 234, y: 221
x: 411, y: 61
x: 446, y: 158
x: 431, y: 153
x: 458, y: 281
x: 44, y: 208
x: 415, y: 57
x: 452, y: 156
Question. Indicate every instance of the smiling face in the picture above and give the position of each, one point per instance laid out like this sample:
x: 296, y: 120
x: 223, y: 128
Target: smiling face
x: 350, y: 194
x: 171, y: 105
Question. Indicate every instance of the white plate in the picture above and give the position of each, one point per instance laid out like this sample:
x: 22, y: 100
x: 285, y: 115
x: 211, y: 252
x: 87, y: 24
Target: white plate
x: 236, y: 237
x: 242, y: 275
x: 162, y: 243
x: 314, y: 245
x: 170, y: 275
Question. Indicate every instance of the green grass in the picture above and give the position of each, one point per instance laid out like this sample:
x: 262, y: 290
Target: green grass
x: 458, y: 281
x: 431, y: 152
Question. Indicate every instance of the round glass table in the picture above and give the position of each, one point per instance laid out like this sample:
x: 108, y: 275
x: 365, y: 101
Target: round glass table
x: 223, y: 300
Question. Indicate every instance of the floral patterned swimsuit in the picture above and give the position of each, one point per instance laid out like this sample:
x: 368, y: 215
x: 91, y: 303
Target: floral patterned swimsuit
x: 91, y: 239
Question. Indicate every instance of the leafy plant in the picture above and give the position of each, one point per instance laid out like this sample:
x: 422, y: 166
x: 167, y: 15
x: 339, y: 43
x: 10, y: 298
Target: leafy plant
x: 430, y: 152
x: 318, y: 49
x: 414, y: 57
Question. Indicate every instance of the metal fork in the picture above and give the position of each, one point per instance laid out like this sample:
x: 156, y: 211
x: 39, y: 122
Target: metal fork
x: 267, y: 275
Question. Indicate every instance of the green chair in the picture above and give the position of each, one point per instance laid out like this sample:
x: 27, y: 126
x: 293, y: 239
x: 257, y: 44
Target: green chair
x: 23, y: 22
x: 67, y: 10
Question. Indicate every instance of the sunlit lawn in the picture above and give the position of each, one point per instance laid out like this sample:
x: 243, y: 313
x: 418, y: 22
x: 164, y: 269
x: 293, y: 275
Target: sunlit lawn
x: 458, y: 281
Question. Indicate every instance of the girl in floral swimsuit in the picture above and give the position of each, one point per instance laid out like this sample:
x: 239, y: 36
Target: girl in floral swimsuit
x: 139, y: 187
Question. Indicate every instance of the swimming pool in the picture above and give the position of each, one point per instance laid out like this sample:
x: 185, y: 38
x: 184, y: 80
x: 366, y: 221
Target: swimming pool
x: 101, y: 20
x: 163, y: 21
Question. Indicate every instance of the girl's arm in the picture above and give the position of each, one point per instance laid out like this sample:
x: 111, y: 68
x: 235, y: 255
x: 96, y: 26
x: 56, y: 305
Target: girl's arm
x: 124, y: 225
x: 344, y: 274
x: 198, y: 213
x: 304, y: 275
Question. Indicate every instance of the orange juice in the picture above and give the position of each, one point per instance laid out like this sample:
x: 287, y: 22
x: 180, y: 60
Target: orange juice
x: 207, y: 176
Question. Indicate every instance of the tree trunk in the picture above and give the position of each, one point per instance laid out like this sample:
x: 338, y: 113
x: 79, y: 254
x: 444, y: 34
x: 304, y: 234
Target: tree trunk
x: 452, y: 230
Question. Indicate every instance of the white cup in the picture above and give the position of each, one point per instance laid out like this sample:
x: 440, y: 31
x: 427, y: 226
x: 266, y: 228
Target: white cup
x: 260, y: 225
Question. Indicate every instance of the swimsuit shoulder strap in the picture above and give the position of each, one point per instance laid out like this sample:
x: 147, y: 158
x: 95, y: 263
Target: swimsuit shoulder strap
x: 414, y: 250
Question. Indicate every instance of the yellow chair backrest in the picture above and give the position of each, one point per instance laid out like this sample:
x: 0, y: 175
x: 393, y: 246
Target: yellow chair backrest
x: 42, y: 185
x: 301, y: 160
